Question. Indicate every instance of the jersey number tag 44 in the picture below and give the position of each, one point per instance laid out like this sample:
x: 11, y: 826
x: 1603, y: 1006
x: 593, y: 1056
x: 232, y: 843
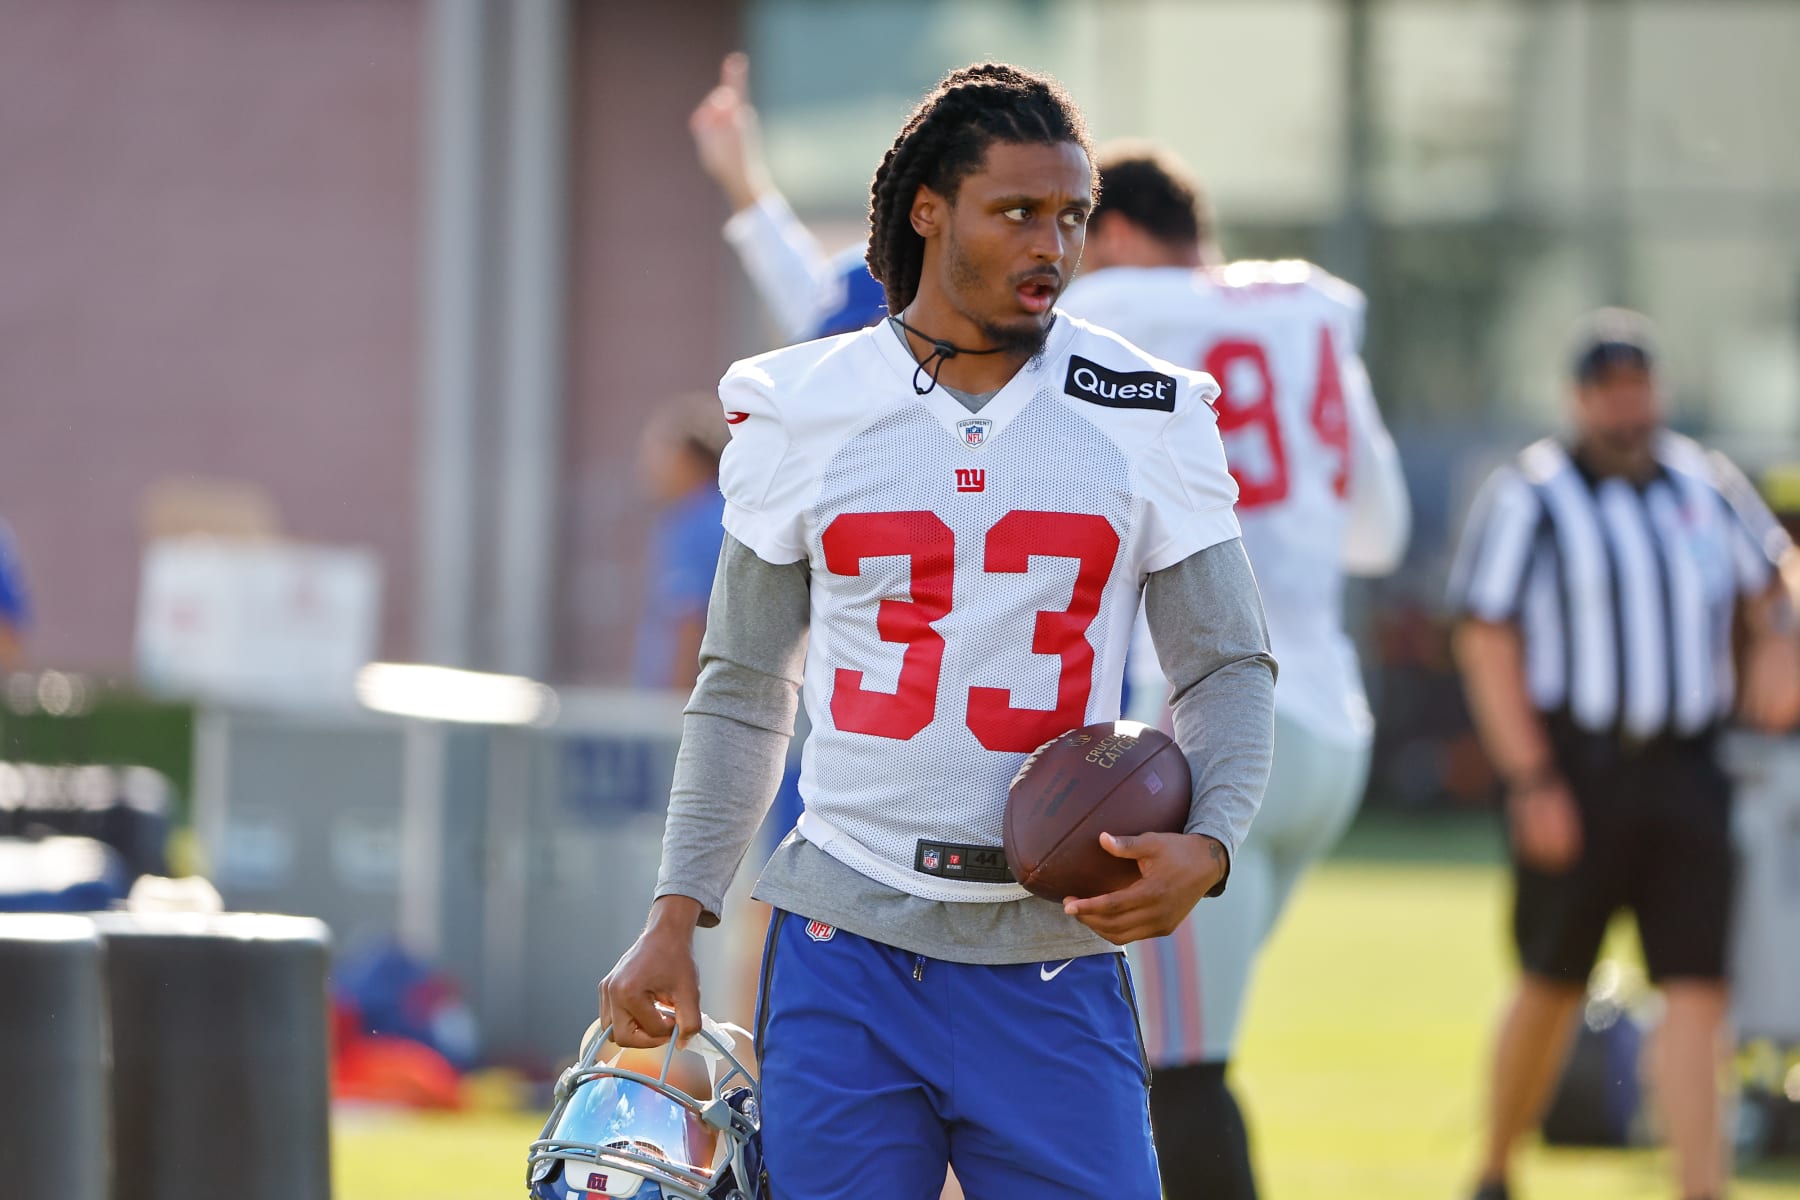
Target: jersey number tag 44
x: 930, y: 545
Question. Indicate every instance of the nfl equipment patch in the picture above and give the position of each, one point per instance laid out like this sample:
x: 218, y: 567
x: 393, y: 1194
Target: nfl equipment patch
x: 974, y: 433
x: 819, y: 931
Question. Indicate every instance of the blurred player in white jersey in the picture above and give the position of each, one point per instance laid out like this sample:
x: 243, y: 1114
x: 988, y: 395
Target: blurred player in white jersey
x: 1320, y: 495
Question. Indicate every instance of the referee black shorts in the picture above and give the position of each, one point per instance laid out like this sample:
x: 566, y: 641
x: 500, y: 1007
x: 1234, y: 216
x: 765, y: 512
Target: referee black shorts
x: 1656, y: 838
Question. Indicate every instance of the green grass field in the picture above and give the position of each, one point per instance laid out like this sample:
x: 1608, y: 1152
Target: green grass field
x: 1360, y: 1068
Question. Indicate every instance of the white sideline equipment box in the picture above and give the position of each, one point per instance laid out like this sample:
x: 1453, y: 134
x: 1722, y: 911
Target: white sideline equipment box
x: 246, y: 621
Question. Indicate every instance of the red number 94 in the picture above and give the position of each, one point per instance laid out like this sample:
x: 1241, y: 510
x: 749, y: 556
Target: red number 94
x: 1251, y: 412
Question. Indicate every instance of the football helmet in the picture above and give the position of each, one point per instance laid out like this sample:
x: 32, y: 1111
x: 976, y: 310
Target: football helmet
x: 616, y: 1131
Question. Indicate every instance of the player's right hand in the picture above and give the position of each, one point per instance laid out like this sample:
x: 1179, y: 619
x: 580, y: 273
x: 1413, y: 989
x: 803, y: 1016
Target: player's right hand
x: 659, y: 968
x: 728, y: 137
x: 1546, y: 825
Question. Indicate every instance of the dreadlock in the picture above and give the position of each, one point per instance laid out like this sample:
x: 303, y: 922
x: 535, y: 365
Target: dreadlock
x: 946, y: 138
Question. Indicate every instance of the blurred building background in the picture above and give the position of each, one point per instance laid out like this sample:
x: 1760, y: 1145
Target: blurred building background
x: 415, y: 271
x: 408, y: 275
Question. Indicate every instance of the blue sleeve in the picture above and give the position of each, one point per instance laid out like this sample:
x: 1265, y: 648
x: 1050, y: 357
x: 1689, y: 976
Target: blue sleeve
x: 15, y: 603
x: 694, y: 557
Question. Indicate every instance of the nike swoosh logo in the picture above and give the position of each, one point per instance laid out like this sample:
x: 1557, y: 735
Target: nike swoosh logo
x: 1046, y: 974
x: 733, y: 417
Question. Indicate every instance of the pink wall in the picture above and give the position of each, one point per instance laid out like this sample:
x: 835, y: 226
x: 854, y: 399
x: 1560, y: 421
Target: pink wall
x: 651, y: 286
x: 209, y: 250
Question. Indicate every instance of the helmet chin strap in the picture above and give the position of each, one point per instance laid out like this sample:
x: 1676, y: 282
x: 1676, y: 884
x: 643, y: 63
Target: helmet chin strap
x: 718, y: 1043
x: 941, y: 352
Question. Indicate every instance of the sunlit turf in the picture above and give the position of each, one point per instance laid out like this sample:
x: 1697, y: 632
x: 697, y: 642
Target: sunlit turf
x: 1365, y: 1049
x: 389, y: 1156
x: 1360, y: 1070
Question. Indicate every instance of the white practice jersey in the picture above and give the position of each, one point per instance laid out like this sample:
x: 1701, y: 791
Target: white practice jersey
x: 975, y: 577
x: 1301, y: 433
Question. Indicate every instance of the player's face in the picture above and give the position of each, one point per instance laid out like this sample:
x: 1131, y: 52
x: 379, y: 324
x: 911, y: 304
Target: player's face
x: 1009, y: 243
x: 1619, y: 411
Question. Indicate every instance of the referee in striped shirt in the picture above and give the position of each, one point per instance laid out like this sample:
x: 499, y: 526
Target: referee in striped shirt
x: 1597, y: 587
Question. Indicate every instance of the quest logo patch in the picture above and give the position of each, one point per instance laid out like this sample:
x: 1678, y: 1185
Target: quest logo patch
x: 1096, y: 384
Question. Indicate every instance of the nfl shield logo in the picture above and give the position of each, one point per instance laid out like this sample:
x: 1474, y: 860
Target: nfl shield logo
x: 819, y: 931
x: 974, y: 433
x: 931, y: 860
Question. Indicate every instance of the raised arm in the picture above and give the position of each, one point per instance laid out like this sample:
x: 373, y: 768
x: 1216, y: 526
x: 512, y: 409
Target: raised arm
x: 791, y: 271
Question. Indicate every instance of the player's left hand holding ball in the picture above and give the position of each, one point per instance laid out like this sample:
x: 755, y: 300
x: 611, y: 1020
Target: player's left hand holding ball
x: 1178, y: 869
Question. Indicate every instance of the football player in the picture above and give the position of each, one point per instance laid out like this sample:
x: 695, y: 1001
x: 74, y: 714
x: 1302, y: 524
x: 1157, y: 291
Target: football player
x: 1320, y: 494
x: 946, y: 524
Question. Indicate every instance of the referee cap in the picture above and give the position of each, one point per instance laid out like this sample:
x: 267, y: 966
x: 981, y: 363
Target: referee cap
x: 1613, y: 337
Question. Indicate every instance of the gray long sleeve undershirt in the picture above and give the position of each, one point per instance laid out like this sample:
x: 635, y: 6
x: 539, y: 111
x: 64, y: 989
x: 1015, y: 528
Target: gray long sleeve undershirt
x: 1205, y: 616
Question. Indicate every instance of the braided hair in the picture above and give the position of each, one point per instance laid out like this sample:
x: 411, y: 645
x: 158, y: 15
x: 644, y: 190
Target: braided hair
x: 945, y: 139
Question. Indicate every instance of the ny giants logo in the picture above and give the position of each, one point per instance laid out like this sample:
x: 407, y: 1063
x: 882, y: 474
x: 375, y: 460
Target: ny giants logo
x: 971, y: 479
x: 596, y: 1182
x: 819, y: 931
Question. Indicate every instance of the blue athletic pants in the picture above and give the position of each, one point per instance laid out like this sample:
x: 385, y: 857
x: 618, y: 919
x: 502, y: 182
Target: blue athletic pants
x: 879, y: 1067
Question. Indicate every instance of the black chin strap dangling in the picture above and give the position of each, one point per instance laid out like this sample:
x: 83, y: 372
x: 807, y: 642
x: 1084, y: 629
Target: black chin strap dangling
x: 941, y: 352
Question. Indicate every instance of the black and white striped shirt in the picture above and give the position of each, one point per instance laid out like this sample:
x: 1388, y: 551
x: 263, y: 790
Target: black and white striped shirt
x: 1623, y: 592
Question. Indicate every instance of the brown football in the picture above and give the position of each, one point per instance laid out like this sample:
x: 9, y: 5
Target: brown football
x: 1117, y: 777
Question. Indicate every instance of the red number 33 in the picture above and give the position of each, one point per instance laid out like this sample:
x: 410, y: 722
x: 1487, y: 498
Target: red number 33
x: 930, y: 545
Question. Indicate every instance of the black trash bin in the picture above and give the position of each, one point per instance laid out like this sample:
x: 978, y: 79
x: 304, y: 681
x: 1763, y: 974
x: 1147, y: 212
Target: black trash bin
x: 220, y: 1082
x: 53, y: 1058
